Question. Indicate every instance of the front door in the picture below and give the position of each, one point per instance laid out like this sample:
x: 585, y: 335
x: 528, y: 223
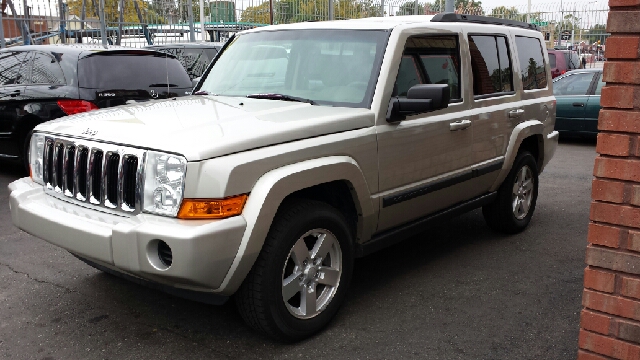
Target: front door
x: 421, y: 157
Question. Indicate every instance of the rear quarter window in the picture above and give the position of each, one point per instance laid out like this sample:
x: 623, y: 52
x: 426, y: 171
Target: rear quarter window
x: 532, y: 69
x: 131, y: 72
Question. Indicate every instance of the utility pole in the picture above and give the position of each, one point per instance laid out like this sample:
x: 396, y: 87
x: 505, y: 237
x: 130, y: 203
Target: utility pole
x: 121, y: 20
x: 271, y: 12
x: 529, y: 11
x: 331, y: 14
x: 448, y: 6
x: 103, y: 25
x: 382, y: 8
x: 415, y: 7
x: 202, y: 29
x: 192, y: 32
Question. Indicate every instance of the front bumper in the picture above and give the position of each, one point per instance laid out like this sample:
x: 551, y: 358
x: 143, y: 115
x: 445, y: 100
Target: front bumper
x: 550, y: 145
x: 202, y: 250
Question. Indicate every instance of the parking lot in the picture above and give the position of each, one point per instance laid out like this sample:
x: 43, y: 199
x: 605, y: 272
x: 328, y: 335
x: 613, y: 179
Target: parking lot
x: 459, y: 291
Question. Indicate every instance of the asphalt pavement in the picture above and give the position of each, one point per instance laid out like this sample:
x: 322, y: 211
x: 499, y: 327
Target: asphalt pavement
x: 458, y: 291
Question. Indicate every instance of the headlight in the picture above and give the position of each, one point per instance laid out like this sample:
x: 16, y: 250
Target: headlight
x: 164, y: 183
x: 36, y: 158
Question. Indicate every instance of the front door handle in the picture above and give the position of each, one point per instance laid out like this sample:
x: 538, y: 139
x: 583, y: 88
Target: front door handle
x: 459, y: 125
x: 516, y: 113
x: 577, y: 104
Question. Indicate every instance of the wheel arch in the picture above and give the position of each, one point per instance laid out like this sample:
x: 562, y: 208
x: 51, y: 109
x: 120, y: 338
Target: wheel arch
x: 528, y: 135
x: 311, y: 179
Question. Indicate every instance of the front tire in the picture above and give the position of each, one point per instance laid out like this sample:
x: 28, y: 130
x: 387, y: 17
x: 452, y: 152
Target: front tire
x: 301, y: 276
x: 516, y: 201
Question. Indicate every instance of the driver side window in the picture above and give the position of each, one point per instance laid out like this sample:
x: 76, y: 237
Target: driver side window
x: 430, y: 60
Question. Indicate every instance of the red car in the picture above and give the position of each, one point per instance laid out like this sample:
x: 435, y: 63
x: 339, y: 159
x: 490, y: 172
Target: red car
x: 562, y: 61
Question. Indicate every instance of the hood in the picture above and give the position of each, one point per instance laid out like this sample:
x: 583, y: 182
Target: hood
x: 203, y: 127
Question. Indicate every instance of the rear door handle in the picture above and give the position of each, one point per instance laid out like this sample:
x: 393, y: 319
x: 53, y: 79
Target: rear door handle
x: 459, y: 125
x: 516, y: 113
x: 578, y: 104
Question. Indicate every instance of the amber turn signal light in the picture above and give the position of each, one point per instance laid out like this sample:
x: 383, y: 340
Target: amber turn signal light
x: 212, y: 208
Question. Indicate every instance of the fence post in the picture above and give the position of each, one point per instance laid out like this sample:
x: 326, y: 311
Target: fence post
x: 121, y: 20
x: 103, y: 25
x: 331, y: 12
x: 203, y: 33
x: 63, y: 30
x: 192, y: 33
x: 145, y: 29
x: 2, y: 43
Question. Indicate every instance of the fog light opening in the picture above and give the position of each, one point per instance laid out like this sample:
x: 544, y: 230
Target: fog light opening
x: 164, y: 253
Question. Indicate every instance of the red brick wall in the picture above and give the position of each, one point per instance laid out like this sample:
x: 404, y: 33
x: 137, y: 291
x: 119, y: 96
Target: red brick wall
x: 610, y: 320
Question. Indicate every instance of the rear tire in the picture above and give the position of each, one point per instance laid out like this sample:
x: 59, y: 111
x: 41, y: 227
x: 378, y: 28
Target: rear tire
x: 511, y: 212
x: 301, y: 276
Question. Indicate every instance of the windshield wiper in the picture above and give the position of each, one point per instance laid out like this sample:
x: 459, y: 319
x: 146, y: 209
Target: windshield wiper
x: 163, y: 85
x: 283, y: 97
x: 200, y: 92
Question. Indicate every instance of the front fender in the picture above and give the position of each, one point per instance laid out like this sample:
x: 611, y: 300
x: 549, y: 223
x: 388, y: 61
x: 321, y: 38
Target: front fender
x: 273, y: 187
x: 519, y: 133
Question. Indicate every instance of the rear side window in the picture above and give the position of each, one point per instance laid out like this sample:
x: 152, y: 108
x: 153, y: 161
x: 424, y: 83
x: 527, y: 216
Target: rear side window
x: 131, y: 72
x: 534, y: 75
x: 430, y: 60
x: 12, y: 68
x: 490, y: 64
x: 552, y: 61
x: 46, y: 70
x: 572, y: 60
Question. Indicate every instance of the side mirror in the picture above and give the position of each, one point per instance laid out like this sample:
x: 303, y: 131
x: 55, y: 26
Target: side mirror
x: 195, y: 81
x: 420, y: 99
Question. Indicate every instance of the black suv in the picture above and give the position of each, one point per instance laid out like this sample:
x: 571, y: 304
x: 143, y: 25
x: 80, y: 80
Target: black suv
x: 194, y: 57
x: 44, y: 82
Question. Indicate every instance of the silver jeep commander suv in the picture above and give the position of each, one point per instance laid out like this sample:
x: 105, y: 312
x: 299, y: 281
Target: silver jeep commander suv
x: 303, y: 147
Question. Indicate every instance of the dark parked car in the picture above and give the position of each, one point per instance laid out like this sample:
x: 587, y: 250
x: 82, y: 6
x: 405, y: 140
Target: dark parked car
x: 194, y: 57
x: 44, y: 82
x: 562, y: 61
x: 578, y: 101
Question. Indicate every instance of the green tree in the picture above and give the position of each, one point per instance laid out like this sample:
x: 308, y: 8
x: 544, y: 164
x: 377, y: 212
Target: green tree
x: 256, y: 14
x: 409, y: 8
x: 111, y: 11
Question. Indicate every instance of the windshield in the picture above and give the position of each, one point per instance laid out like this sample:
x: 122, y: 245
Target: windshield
x: 328, y: 67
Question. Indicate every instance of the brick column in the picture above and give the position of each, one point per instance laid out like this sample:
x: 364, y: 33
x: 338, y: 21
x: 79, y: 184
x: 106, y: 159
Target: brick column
x: 610, y: 320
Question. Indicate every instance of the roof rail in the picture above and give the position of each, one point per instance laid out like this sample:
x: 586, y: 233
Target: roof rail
x: 476, y: 19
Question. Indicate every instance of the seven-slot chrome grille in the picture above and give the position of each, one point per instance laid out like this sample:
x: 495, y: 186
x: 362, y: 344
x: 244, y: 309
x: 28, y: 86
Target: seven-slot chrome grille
x: 105, y: 176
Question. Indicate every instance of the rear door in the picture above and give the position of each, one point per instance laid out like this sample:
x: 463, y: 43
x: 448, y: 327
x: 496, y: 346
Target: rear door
x: 572, y: 95
x: 112, y: 78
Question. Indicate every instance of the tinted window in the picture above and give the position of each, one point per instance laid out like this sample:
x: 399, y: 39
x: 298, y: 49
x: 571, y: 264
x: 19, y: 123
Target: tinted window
x: 575, y: 84
x: 123, y: 71
x: 195, y: 61
x: 534, y: 75
x: 12, y: 68
x: 552, y: 60
x: 490, y: 64
x: 430, y: 60
x: 211, y: 53
x: 599, y: 85
x: 46, y: 70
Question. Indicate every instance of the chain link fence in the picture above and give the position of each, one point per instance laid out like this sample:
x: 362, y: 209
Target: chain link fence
x: 579, y: 25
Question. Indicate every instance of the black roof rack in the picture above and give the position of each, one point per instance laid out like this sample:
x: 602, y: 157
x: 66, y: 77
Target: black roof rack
x: 476, y: 19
